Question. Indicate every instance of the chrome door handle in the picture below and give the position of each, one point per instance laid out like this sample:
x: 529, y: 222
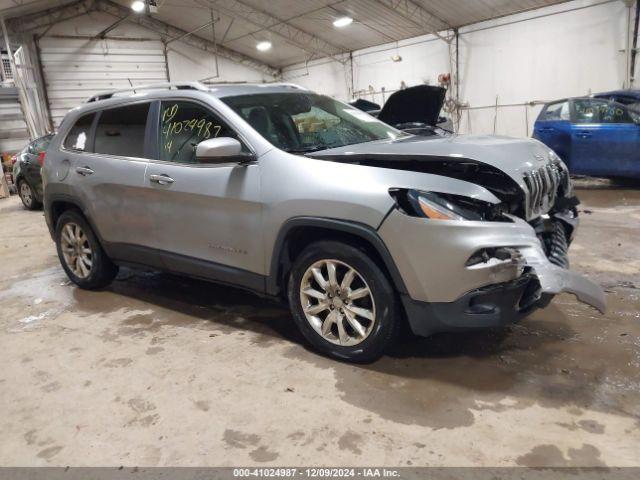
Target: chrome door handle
x: 161, y: 179
x: 84, y: 171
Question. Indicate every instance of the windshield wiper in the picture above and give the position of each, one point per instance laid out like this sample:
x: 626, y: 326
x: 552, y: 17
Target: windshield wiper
x: 307, y: 149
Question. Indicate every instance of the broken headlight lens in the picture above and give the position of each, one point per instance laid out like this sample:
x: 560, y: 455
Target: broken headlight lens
x: 444, y: 206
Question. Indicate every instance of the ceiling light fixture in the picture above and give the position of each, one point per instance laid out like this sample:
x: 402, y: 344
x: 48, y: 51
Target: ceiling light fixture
x: 342, y: 22
x: 137, y: 6
x: 264, y: 46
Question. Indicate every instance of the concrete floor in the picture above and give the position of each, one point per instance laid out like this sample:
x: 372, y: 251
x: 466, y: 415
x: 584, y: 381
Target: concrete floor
x: 161, y: 370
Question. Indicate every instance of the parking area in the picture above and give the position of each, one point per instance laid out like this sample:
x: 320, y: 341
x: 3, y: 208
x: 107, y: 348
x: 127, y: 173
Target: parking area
x: 162, y: 370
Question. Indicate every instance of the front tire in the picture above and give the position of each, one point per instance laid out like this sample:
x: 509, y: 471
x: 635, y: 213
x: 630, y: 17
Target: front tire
x: 80, y: 253
x: 27, y: 195
x: 342, y: 302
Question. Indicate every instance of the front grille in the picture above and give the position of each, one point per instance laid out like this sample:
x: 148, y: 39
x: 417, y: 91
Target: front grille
x: 542, y: 188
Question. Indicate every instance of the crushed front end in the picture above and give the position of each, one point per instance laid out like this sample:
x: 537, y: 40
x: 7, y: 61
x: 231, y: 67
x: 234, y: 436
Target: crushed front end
x: 469, y: 264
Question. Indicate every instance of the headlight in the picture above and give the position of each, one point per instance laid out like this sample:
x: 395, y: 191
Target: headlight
x: 444, y: 206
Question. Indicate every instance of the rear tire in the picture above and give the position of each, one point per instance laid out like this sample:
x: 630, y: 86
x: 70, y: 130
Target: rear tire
x: 27, y: 195
x: 349, y: 311
x: 80, y: 253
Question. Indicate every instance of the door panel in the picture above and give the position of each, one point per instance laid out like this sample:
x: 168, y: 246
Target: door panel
x: 553, y: 128
x: 31, y: 170
x: 109, y: 178
x: 556, y: 134
x: 208, y: 217
x: 211, y: 213
x: 112, y: 189
x: 605, y: 141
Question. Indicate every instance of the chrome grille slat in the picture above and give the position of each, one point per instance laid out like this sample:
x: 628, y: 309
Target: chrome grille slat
x: 542, y: 186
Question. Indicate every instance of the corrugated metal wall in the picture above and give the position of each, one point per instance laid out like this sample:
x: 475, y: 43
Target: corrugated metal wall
x: 76, y: 68
x: 13, y: 130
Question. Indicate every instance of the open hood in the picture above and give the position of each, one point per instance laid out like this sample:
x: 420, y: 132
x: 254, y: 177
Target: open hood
x: 366, y: 106
x: 419, y: 104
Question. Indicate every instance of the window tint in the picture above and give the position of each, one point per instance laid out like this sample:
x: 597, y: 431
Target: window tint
x: 183, y: 125
x: 121, y: 131
x: 78, y: 137
x: 557, y: 111
x: 600, y: 111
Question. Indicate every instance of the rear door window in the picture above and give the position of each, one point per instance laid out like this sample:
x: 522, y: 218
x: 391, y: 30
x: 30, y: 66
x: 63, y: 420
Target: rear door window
x: 78, y: 136
x: 557, y: 111
x: 185, y: 124
x: 121, y: 131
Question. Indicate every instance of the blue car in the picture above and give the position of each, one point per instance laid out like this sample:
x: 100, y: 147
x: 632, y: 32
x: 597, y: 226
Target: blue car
x: 593, y: 136
x: 630, y: 97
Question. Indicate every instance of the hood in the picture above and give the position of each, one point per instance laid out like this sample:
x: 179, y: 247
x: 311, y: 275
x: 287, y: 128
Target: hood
x: 419, y: 104
x: 365, y: 106
x: 496, y: 163
x: 513, y: 156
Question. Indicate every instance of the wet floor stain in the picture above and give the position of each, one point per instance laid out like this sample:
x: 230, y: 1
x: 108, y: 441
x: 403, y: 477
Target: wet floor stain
x: 550, y: 455
x: 263, y: 454
x: 49, y: 453
x: 351, y: 441
x: 590, y: 426
x: 237, y: 439
x: 553, y: 359
x: 203, y: 405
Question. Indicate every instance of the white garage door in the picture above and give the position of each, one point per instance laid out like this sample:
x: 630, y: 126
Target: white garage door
x: 13, y: 130
x: 75, y: 69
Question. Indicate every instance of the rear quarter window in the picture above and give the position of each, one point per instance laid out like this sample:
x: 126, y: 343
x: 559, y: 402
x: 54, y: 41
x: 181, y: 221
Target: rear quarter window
x: 78, y: 136
x: 556, y: 111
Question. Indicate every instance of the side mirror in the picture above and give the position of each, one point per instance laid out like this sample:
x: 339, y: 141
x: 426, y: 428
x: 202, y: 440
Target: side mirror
x: 221, y: 150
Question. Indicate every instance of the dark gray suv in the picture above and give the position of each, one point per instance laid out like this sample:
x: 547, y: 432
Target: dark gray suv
x: 287, y: 193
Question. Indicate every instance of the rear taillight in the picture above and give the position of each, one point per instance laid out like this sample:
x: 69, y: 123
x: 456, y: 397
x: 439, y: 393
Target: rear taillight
x: 41, y: 156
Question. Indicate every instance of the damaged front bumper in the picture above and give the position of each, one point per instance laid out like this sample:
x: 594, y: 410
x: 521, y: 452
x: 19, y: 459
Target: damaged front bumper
x: 448, y: 287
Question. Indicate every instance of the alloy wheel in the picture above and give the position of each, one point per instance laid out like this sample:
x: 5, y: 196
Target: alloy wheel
x: 25, y: 193
x: 76, y: 250
x: 337, y: 302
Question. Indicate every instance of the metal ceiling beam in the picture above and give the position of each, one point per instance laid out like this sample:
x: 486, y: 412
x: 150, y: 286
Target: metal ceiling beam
x: 418, y: 16
x: 50, y: 16
x: 113, y: 26
x: 169, y: 31
x: 190, y: 32
x: 297, y: 37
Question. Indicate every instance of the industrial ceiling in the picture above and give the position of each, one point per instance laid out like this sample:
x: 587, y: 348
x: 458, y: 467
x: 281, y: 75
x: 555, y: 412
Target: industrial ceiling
x: 299, y: 30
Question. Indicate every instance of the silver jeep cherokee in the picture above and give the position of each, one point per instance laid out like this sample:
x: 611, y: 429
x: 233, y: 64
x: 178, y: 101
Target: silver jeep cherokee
x: 292, y: 194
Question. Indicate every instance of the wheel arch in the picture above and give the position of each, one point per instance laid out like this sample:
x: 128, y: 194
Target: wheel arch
x: 299, y: 232
x: 58, y: 203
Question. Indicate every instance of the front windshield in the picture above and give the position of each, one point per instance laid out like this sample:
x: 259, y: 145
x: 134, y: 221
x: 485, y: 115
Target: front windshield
x: 307, y: 122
